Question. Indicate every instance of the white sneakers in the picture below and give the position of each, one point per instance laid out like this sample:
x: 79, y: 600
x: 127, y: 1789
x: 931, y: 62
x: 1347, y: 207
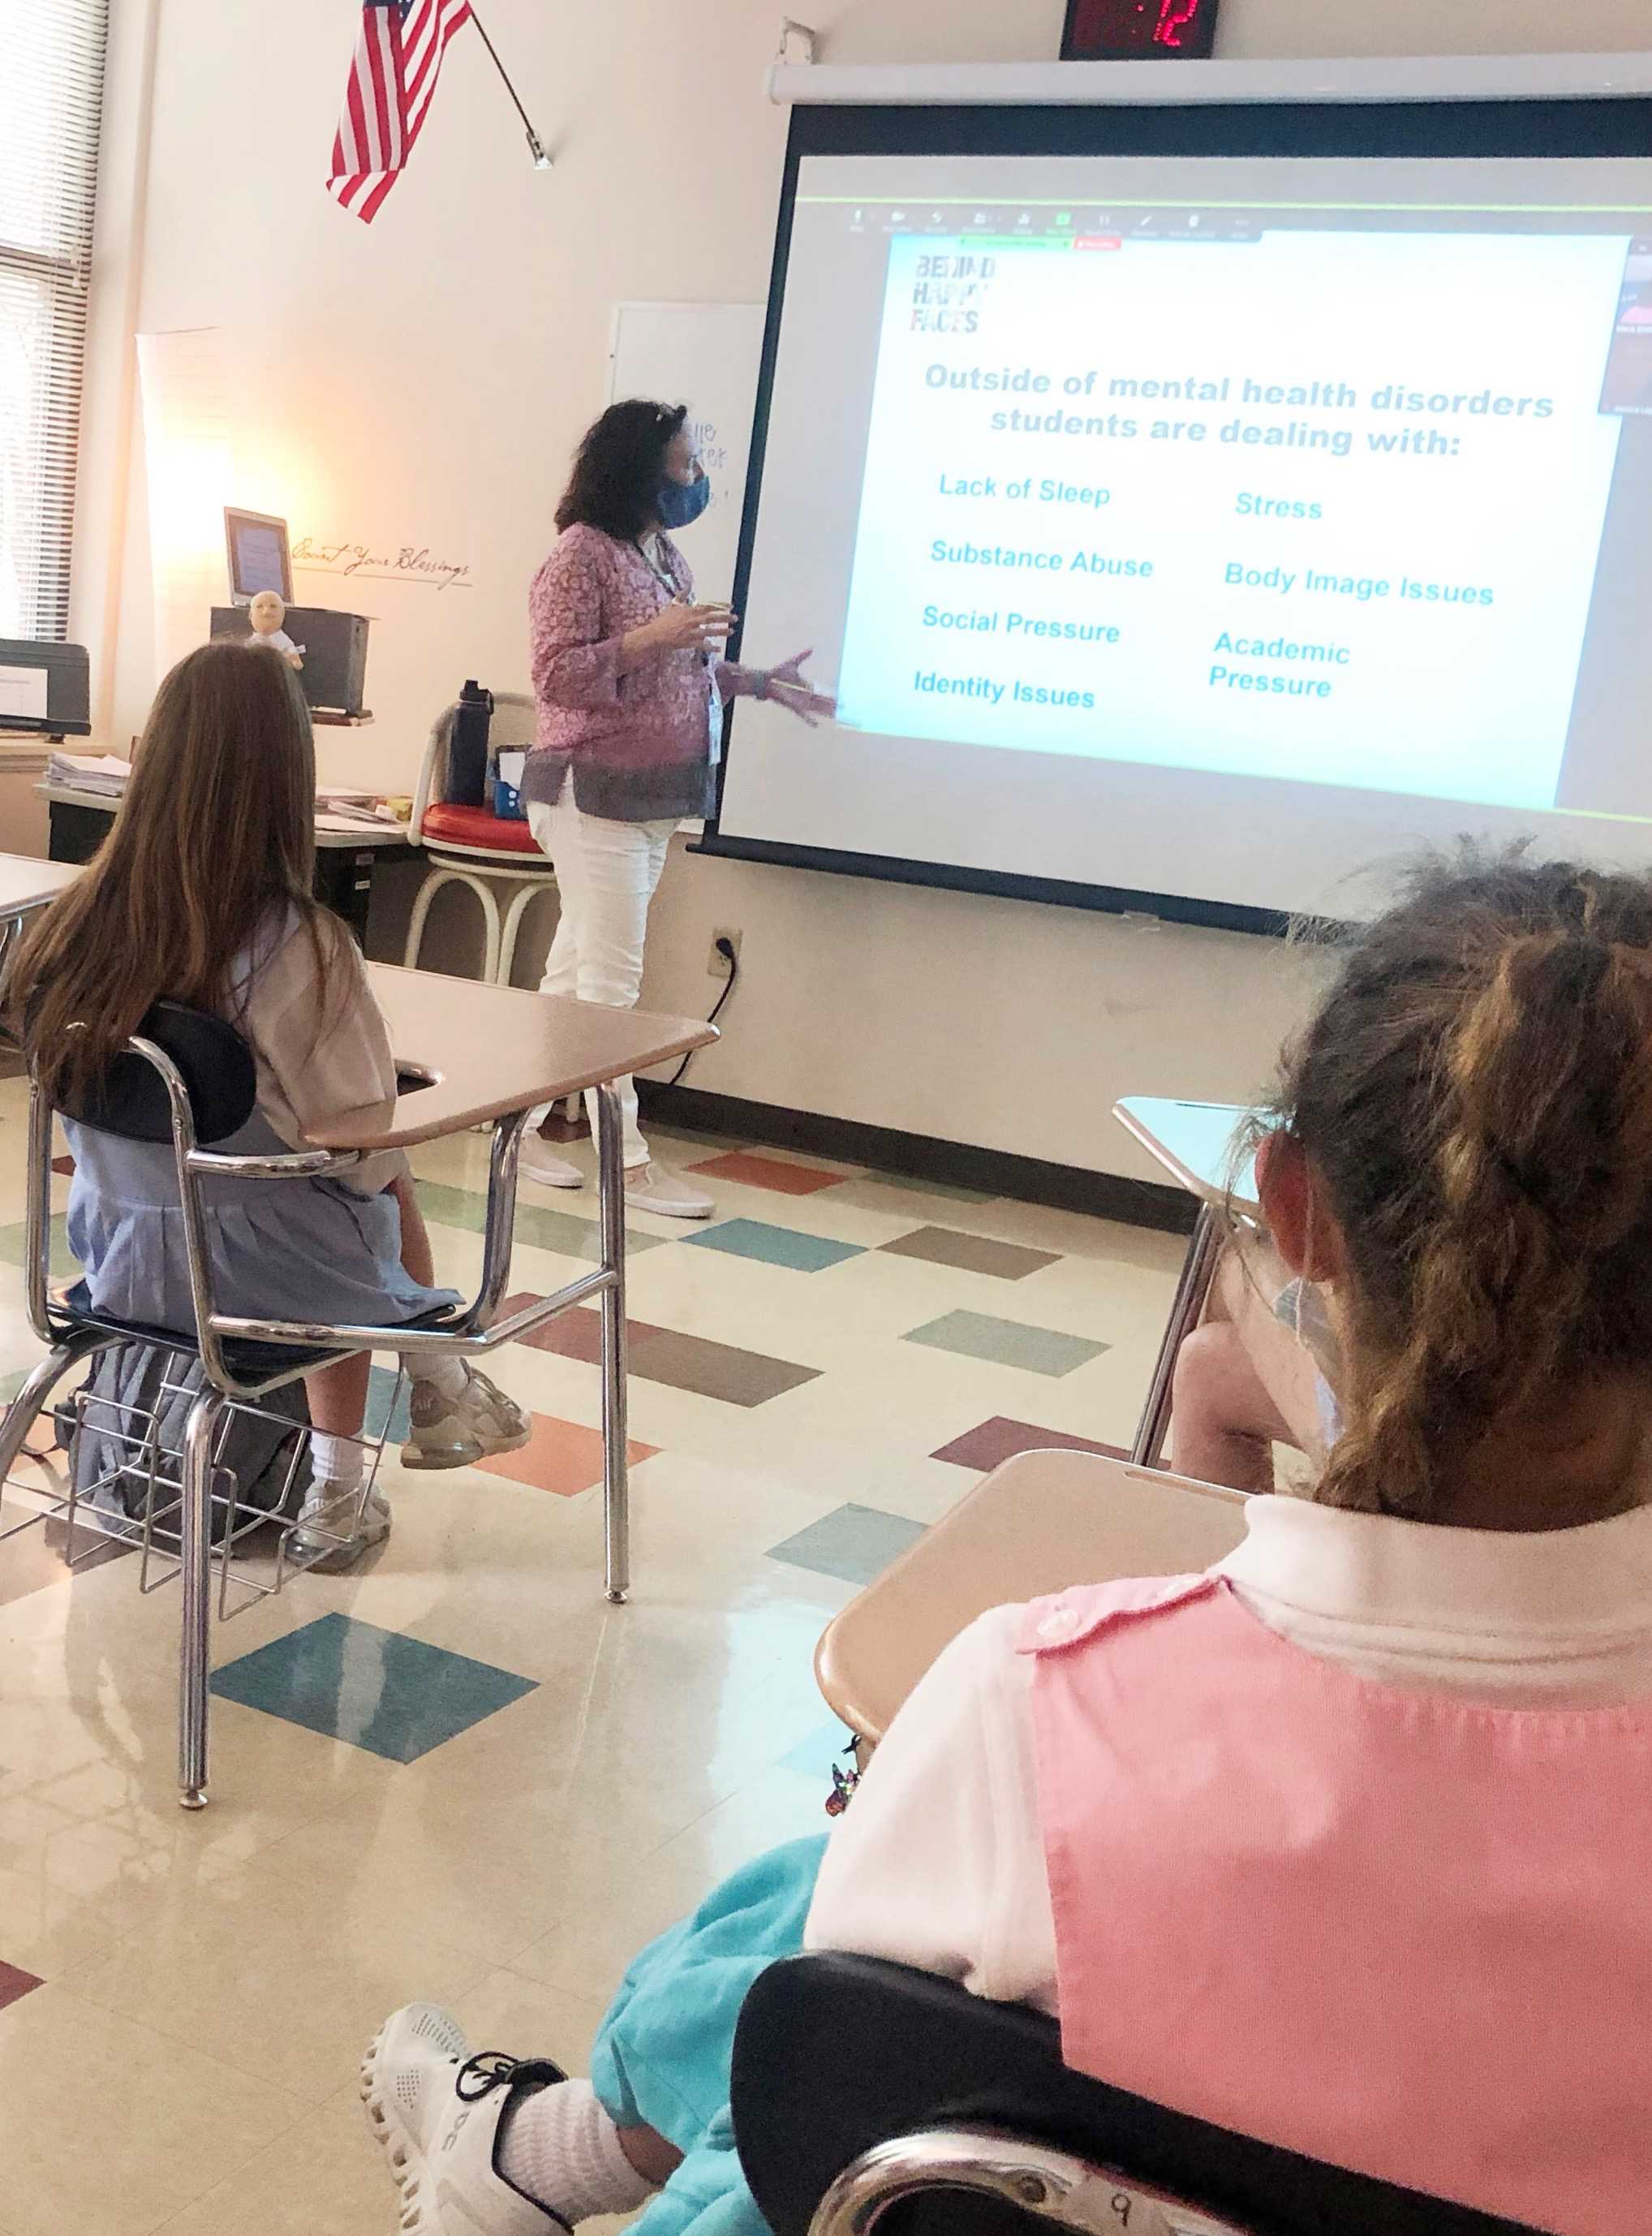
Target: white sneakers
x: 454, y: 1432
x: 650, y: 1187
x: 437, y: 2111
x: 538, y: 1164
x: 336, y: 1527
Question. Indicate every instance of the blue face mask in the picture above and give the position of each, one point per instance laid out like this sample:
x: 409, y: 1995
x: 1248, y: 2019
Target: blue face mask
x: 679, y: 504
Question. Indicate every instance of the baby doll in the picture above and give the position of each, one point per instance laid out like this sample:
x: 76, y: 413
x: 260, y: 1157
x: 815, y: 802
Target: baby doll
x: 266, y: 613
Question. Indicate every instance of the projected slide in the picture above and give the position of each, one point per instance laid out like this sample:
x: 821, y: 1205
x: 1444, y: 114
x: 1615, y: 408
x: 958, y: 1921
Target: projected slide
x: 1267, y: 505
x: 1204, y: 526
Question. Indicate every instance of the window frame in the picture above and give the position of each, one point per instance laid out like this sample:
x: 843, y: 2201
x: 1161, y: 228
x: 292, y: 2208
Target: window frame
x: 62, y: 277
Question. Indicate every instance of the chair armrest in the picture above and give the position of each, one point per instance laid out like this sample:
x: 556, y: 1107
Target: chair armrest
x: 291, y: 1165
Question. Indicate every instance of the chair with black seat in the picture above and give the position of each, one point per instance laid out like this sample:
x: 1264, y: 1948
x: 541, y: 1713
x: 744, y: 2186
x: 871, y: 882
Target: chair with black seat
x: 868, y: 2096
x: 186, y: 1078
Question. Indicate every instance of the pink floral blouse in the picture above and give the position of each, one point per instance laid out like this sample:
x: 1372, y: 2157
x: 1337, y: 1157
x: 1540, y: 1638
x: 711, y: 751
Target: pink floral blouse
x: 639, y: 744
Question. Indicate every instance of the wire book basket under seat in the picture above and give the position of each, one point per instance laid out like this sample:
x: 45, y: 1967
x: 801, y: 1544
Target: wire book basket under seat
x: 134, y: 1500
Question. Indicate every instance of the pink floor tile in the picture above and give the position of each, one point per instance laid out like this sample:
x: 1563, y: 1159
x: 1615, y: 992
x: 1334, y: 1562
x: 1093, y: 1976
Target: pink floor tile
x: 559, y: 1457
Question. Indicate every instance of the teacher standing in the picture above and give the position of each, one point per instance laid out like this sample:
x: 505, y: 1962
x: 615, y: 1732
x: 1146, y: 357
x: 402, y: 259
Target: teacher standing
x: 630, y: 684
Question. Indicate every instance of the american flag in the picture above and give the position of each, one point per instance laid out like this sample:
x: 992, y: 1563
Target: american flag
x: 392, y: 78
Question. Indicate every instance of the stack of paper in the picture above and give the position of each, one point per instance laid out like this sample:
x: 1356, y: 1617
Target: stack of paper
x: 101, y: 772
x: 353, y: 811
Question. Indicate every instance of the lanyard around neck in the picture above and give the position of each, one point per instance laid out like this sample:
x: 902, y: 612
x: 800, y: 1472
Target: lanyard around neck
x: 666, y: 578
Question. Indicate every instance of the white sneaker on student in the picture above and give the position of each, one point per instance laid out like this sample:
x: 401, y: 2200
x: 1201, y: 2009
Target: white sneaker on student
x: 453, y: 1432
x: 437, y: 2110
x: 337, y: 1528
x: 538, y: 1164
x: 650, y: 1187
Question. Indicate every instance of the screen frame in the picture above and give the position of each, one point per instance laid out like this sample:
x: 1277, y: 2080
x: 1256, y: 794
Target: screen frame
x: 1572, y: 125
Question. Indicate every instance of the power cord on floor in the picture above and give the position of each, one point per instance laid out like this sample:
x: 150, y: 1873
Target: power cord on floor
x: 725, y: 947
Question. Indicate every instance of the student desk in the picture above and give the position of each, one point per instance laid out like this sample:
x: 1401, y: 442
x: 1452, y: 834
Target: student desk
x: 471, y: 1055
x: 1042, y: 1521
x: 346, y: 861
x: 1194, y: 1142
x: 27, y: 883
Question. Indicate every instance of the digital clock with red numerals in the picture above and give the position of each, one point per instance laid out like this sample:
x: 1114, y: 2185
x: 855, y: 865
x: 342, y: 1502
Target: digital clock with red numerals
x: 1108, y: 30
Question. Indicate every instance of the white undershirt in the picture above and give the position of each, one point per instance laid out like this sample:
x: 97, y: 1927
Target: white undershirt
x: 654, y: 554
x: 939, y: 1861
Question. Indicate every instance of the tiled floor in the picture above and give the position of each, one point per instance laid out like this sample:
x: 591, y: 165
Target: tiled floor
x: 457, y: 1772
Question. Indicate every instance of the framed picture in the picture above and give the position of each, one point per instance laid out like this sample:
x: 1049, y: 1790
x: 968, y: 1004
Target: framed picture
x: 1121, y: 30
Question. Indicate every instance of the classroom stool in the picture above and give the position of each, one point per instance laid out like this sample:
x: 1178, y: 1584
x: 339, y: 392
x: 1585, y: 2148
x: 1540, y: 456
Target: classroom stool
x: 472, y: 847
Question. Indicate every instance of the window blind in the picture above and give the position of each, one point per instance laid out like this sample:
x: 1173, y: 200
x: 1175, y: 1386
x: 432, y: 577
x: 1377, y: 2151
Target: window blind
x: 51, y: 88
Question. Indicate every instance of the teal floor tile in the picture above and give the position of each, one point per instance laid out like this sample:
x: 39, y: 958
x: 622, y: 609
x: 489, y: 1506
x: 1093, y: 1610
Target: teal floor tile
x: 1006, y: 1343
x: 539, y: 1228
x: 389, y: 1399
x: 854, y: 1543
x: 394, y: 1696
x: 775, y: 1245
x: 827, y: 1747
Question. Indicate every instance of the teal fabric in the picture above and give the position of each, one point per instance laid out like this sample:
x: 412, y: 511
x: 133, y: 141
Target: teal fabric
x: 663, y: 2052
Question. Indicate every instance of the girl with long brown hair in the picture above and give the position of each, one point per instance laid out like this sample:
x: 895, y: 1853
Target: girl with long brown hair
x: 201, y: 894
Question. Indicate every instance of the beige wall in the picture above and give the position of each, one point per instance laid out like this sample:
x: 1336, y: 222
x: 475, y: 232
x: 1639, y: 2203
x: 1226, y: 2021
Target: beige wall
x: 420, y: 384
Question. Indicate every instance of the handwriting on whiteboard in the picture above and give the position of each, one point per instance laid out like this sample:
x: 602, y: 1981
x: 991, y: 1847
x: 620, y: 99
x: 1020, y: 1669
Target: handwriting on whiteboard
x: 708, y: 447
x: 393, y: 562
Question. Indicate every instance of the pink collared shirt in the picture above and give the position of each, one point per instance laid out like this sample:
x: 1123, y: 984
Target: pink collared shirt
x: 941, y: 1861
x: 1403, y: 1933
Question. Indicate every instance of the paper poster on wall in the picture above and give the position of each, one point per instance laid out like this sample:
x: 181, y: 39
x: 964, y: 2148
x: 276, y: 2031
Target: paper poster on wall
x: 703, y: 355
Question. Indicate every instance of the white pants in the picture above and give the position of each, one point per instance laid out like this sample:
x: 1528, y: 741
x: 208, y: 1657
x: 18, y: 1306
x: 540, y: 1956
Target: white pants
x: 605, y: 877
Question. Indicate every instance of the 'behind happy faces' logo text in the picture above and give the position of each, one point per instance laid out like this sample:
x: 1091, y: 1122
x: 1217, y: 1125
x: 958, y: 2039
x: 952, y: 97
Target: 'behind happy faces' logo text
x: 947, y: 291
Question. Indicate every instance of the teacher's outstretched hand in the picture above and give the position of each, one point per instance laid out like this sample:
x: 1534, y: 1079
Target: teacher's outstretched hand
x: 788, y: 687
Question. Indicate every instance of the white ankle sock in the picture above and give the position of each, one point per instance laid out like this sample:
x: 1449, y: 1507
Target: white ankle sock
x: 338, y: 1460
x: 562, y: 2149
x: 447, y: 1376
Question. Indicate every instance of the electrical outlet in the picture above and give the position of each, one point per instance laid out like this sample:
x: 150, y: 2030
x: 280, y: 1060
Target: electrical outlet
x: 717, y: 964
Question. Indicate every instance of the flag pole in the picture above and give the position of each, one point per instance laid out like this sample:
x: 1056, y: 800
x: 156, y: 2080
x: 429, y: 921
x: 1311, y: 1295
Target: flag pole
x: 535, y: 145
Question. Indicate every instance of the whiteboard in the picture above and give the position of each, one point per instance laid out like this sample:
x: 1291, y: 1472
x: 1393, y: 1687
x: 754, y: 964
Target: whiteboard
x: 703, y: 355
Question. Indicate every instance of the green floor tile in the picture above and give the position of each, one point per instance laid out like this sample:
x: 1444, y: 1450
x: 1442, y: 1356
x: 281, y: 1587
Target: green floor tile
x: 539, y: 1228
x: 63, y: 1262
x: 1006, y: 1343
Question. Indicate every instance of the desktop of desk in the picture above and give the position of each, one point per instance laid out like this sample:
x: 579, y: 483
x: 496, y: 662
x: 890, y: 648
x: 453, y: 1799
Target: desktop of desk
x: 478, y: 1053
x: 1194, y: 1141
x: 28, y: 883
x: 346, y: 861
x: 1042, y: 1521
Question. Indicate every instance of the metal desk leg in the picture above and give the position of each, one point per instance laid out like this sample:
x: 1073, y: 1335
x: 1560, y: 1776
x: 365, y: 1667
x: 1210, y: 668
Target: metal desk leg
x: 201, y: 1435
x: 1198, y: 1270
x: 616, y: 1479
